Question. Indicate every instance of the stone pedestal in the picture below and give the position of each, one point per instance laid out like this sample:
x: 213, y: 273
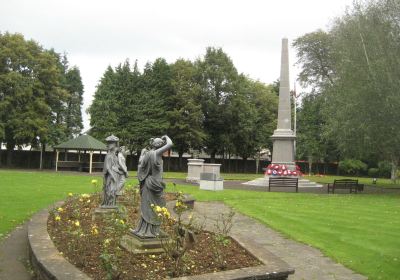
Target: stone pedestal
x: 195, y: 167
x: 211, y: 182
x: 137, y: 245
x: 214, y: 168
x: 100, y: 212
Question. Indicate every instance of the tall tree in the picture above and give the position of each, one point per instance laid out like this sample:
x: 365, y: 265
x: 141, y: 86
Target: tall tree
x: 104, y: 108
x: 185, y: 116
x: 252, y: 118
x: 74, y: 87
x: 217, y: 77
x: 362, y: 97
x: 30, y: 91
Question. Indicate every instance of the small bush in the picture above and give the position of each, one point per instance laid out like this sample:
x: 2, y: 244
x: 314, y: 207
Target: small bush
x: 373, y: 172
x: 352, y: 166
x: 385, y: 168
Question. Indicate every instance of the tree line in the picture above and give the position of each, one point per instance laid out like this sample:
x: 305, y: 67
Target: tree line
x: 40, y: 95
x: 353, y: 109
x: 204, y: 104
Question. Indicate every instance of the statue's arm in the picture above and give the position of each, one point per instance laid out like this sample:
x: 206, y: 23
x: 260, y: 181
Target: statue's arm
x: 168, y: 145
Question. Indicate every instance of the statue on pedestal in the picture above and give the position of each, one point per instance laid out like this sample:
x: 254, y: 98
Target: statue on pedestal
x: 114, y: 172
x: 150, y: 175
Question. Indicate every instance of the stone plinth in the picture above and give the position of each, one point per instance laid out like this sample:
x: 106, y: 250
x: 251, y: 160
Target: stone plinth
x: 100, y: 212
x: 211, y: 182
x: 195, y: 167
x: 214, y: 168
x: 137, y: 245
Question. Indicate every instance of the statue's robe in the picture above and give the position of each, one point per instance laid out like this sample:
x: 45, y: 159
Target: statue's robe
x: 150, y: 171
x: 111, y: 179
x: 122, y: 171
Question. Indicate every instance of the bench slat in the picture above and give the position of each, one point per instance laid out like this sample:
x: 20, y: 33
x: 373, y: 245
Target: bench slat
x: 283, y: 182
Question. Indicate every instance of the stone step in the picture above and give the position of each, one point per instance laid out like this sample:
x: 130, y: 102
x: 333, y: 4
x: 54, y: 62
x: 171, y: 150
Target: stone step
x: 263, y: 182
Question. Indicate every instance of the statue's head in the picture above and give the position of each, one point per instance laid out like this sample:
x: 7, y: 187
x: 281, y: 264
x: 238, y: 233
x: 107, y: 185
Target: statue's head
x: 156, y: 143
x: 112, y: 142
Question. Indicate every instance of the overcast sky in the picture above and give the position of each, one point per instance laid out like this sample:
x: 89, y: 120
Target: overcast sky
x: 97, y: 33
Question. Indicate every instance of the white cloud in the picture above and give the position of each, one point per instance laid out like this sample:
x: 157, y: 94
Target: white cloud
x: 98, y: 33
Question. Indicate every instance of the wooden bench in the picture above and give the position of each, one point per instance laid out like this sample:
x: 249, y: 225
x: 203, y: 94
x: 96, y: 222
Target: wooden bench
x: 346, y: 184
x: 283, y: 182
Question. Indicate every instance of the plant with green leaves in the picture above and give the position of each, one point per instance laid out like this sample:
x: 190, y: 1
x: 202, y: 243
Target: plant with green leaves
x: 222, y: 228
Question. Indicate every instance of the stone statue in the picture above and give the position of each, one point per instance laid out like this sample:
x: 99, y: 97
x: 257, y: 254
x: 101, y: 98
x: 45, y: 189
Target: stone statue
x: 112, y: 173
x: 150, y: 172
x: 122, y: 169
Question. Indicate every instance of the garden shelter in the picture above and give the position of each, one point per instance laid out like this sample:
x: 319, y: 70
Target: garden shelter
x: 82, y: 146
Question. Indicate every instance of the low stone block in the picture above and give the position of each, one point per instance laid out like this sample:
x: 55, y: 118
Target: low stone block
x: 214, y: 185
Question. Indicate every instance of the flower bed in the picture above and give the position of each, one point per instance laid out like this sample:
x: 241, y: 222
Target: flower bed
x: 93, y: 245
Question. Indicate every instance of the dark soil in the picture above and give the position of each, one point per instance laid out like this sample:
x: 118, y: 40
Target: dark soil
x: 89, y: 243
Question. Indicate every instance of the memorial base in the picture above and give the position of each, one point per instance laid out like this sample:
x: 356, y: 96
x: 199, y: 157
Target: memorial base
x: 101, y: 212
x: 137, y: 245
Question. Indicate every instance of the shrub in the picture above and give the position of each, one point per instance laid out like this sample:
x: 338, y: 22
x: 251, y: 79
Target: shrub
x: 373, y: 172
x: 385, y: 168
x: 352, y: 166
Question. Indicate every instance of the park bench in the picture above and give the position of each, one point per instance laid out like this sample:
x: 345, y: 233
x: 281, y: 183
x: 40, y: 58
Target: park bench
x: 283, y: 182
x: 347, y: 184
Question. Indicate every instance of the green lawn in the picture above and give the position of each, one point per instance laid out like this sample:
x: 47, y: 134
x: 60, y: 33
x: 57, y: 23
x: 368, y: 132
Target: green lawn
x: 360, y: 231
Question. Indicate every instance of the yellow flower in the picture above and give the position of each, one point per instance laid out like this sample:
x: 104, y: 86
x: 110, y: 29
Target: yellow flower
x: 88, y: 201
x: 85, y: 195
x: 107, y: 241
x: 77, y: 223
x: 70, y: 194
x: 122, y: 222
x: 57, y: 218
x: 158, y: 208
x: 94, y: 182
x: 81, y: 200
x: 59, y: 209
x: 178, y: 204
x: 95, y: 231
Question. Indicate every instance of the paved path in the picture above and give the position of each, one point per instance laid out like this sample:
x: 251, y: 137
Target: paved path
x: 308, y: 262
x: 14, y: 256
x: 238, y: 185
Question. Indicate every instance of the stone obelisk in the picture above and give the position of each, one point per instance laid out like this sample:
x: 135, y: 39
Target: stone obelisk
x: 283, y: 137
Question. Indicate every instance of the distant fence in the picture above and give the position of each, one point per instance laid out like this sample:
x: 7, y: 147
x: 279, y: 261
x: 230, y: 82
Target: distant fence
x: 31, y: 160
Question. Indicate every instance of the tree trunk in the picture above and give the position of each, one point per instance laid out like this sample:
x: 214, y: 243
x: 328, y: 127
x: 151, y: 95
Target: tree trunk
x: 229, y: 162
x: 169, y: 159
x: 180, y: 154
x: 213, y: 156
x: 236, y: 164
x: 1, y: 153
x: 244, y: 164
x: 393, y: 173
x: 309, y: 165
x: 223, y: 161
x: 10, y: 150
x: 43, y: 152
